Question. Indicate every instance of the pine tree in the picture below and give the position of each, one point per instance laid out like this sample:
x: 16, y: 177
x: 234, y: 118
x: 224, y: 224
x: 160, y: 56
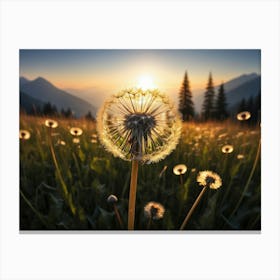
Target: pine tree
x: 186, y: 106
x: 208, y: 104
x: 221, y: 105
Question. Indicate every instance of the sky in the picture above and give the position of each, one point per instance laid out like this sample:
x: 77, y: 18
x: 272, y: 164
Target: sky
x: 96, y: 74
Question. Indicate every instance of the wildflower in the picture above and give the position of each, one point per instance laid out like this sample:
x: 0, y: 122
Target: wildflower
x: 76, y: 140
x: 51, y: 123
x: 180, y: 169
x: 24, y: 134
x: 76, y: 131
x: 154, y: 210
x: 240, y: 156
x: 112, y: 199
x: 227, y: 149
x: 243, y: 116
x: 139, y: 125
x: 209, y: 179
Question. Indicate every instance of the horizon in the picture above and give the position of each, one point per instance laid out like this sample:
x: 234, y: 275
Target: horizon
x: 84, y: 73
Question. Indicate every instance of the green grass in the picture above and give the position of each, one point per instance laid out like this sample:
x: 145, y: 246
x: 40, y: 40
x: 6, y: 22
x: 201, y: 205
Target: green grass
x: 91, y: 174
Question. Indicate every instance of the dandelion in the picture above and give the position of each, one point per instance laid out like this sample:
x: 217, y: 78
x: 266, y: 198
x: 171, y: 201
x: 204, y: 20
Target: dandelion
x: 227, y: 149
x: 138, y: 125
x: 179, y: 170
x: 209, y: 179
x: 24, y: 134
x: 243, y: 116
x: 76, y: 140
x: 154, y: 210
x: 240, y: 156
x: 205, y: 179
x: 51, y: 123
x: 76, y: 131
x: 112, y: 199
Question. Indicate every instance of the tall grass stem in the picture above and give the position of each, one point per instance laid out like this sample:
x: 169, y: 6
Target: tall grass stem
x: 248, y: 181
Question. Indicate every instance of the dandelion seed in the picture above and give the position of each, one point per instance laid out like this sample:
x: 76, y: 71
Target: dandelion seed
x: 243, y: 116
x: 51, y: 123
x: 93, y: 141
x: 209, y: 179
x: 227, y: 149
x: 154, y: 210
x: 112, y: 199
x: 24, y: 134
x: 76, y: 140
x: 139, y: 125
x: 94, y: 135
x: 76, y: 131
x: 240, y: 156
x: 180, y: 169
x: 193, y: 169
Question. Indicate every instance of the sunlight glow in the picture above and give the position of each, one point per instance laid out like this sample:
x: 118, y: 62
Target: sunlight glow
x: 146, y: 82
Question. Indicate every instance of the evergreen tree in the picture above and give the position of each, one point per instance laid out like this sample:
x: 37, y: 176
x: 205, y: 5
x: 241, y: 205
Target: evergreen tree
x: 242, y: 106
x: 221, y: 105
x: 186, y: 106
x: 89, y: 116
x: 208, y: 103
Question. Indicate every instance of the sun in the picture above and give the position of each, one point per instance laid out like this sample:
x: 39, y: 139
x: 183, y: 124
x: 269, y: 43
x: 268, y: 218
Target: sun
x: 146, y: 82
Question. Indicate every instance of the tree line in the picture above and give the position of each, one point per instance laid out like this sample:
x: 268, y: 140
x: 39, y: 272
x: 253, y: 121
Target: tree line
x: 51, y: 110
x: 215, y: 106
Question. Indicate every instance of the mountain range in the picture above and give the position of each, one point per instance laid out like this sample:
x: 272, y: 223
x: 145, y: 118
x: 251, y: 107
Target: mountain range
x: 40, y: 91
x: 241, y: 87
x: 36, y: 93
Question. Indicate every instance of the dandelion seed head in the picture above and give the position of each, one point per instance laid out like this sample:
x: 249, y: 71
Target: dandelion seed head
x: 243, y: 116
x: 76, y: 140
x: 240, y: 156
x: 209, y: 179
x: 24, y: 134
x: 112, y: 199
x: 154, y: 210
x: 227, y: 149
x: 76, y: 131
x: 180, y: 169
x: 139, y: 125
x: 51, y: 123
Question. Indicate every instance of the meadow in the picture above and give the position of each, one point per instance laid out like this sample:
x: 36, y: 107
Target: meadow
x: 52, y: 163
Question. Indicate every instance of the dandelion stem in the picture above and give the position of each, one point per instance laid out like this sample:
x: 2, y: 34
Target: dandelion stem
x: 193, y: 207
x: 132, y: 194
x: 248, y: 181
x: 149, y: 223
x: 118, y: 216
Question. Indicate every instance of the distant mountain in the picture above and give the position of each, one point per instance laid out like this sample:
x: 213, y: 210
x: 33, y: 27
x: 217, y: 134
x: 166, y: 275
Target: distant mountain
x: 240, y: 87
x: 23, y: 81
x: 29, y: 104
x: 42, y: 90
x: 249, y: 89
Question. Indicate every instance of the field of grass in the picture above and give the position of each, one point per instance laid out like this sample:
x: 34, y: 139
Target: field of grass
x: 72, y: 193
